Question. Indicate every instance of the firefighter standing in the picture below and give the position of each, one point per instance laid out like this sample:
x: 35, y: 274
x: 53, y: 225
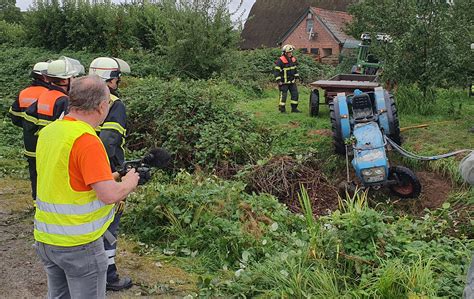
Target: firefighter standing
x: 286, y: 73
x: 25, y: 99
x: 112, y: 133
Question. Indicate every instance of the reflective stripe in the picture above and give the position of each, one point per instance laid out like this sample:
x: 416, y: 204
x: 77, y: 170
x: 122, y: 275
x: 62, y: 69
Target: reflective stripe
x: 110, y: 253
x: 73, y: 230
x: 111, y: 261
x: 294, y: 102
x: 278, y: 78
x: 113, y: 126
x: 69, y: 209
x: 30, y: 118
x: 29, y: 154
x: 282, y: 103
x: 43, y: 122
x: 16, y: 113
x: 278, y: 68
x: 27, y: 101
x: 43, y: 106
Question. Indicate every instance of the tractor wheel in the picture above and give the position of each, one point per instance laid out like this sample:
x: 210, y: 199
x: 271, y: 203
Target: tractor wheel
x: 409, y: 185
x: 338, y: 141
x: 314, y: 103
x: 394, y: 123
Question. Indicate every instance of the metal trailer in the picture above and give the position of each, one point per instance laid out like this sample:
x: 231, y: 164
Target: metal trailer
x: 337, y: 84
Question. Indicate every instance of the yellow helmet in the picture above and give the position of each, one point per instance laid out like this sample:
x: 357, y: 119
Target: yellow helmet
x: 108, y: 68
x: 287, y: 48
x: 64, y: 68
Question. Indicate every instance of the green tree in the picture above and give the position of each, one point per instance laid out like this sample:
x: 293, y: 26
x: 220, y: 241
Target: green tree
x: 427, y: 39
x: 9, y: 12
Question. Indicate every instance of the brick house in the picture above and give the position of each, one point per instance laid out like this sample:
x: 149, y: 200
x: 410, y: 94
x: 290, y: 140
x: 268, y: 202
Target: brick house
x: 320, y: 32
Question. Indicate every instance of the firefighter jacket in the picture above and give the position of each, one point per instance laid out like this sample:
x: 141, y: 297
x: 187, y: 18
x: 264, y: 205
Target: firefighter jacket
x: 50, y: 106
x: 286, y: 70
x: 25, y: 99
x: 113, y: 131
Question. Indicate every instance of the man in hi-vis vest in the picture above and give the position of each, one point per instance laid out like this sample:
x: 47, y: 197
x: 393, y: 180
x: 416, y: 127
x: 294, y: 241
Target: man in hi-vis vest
x: 76, y: 195
x: 286, y: 73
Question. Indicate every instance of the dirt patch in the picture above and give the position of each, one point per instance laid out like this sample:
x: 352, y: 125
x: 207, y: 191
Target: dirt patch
x: 283, y: 177
x: 22, y: 274
x: 321, y: 132
x: 435, y: 191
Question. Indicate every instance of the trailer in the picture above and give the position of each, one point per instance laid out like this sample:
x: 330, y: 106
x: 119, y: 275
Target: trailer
x: 340, y: 83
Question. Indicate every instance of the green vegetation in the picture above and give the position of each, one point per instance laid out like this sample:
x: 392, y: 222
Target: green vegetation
x: 215, y: 109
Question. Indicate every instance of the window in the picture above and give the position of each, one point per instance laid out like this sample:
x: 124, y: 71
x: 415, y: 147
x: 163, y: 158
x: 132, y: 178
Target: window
x: 304, y: 50
x: 327, y: 52
x: 315, y: 51
x: 309, y: 25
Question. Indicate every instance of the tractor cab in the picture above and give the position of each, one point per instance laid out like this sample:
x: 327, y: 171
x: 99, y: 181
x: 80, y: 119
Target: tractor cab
x: 367, y: 62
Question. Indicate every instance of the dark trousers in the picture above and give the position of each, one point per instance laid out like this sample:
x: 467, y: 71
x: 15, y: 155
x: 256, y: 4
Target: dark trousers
x: 110, y: 249
x: 33, y: 175
x: 284, y: 88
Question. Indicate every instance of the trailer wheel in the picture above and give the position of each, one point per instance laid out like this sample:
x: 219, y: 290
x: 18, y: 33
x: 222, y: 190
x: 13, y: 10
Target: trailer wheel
x: 338, y: 141
x: 314, y: 103
x: 394, y: 123
x: 408, y: 186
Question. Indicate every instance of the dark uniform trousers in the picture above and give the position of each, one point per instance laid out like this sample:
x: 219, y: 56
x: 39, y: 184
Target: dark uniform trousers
x: 284, y: 88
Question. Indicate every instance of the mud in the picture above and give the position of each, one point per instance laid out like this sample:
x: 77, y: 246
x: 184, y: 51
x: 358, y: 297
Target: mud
x: 22, y: 274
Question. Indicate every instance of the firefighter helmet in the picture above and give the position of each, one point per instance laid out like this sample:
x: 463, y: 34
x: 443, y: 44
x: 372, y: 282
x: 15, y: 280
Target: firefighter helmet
x: 108, y: 68
x: 287, y: 48
x: 64, y: 68
x: 40, y: 68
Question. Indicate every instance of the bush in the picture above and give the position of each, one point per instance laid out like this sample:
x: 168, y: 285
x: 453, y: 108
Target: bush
x: 194, y: 120
x: 12, y: 34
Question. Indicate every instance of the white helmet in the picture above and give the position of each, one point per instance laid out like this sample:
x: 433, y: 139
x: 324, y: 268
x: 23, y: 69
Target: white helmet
x: 64, y: 68
x: 40, y: 68
x: 287, y: 48
x: 108, y: 68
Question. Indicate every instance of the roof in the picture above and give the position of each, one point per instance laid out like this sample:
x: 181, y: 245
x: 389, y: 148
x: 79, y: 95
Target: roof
x: 334, y: 21
x: 269, y: 20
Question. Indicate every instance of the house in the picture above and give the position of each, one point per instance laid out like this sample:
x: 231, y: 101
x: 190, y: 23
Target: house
x: 270, y: 20
x: 320, y: 32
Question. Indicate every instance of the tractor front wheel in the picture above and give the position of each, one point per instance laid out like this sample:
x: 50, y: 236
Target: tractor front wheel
x: 408, y: 186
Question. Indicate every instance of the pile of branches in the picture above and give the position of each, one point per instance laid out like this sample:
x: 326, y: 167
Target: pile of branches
x: 283, y: 177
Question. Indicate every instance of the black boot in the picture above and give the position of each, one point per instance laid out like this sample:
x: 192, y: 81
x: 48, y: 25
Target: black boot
x: 120, y: 283
x: 294, y: 108
x: 282, y: 108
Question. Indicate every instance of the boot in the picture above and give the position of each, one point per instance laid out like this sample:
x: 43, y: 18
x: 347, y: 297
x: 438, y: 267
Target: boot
x: 282, y: 108
x: 294, y: 108
x: 119, y: 284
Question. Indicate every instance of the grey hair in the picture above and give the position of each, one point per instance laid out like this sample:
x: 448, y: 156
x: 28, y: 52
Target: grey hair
x: 87, y: 93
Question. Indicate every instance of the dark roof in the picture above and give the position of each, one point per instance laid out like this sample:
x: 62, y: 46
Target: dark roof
x: 269, y: 20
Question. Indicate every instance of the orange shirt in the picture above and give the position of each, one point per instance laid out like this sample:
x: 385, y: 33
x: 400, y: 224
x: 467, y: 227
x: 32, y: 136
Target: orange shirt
x: 88, y: 162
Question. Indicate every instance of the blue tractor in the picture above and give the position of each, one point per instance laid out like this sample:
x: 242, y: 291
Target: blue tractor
x: 362, y: 122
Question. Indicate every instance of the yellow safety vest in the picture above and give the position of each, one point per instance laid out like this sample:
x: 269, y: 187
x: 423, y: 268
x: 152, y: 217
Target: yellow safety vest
x: 65, y: 217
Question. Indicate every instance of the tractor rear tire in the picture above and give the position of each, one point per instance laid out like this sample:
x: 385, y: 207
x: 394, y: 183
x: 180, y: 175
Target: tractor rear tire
x: 338, y: 141
x: 409, y: 187
x: 394, y: 123
x: 314, y: 103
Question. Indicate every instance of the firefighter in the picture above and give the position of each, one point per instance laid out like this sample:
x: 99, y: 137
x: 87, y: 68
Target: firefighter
x: 112, y: 133
x: 25, y: 98
x: 51, y: 104
x: 286, y: 73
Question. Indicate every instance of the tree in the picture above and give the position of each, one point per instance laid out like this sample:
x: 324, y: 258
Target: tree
x: 9, y: 12
x: 427, y: 38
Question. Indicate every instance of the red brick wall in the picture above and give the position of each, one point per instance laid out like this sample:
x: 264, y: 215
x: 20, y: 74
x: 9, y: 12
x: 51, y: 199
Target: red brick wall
x: 322, y: 38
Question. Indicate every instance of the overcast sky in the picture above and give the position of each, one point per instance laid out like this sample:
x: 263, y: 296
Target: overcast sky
x: 245, y: 8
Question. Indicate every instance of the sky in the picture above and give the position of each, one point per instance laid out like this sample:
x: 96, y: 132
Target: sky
x: 234, y: 4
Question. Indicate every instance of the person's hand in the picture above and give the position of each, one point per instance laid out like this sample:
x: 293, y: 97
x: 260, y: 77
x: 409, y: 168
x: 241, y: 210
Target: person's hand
x: 131, y: 178
x: 280, y: 83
